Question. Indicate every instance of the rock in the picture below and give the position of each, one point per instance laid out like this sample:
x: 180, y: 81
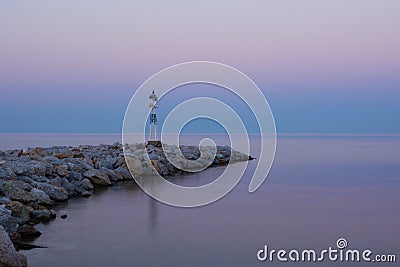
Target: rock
x: 14, y: 237
x: 124, y: 173
x: 170, y: 168
x: 61, y: 170
x: 53, y: 214
x: 37, y: 151
x: 13, y: 190
x: 41, y: 197
x: 4, y: 210
x: 112, y: 175
x: 149, y: 171
x: 7, y: 173
x: 64, y: 216
x: 152, y: 156
x: 73, y: 175
x: 56, y: 181
x: 4, y: 200
x: 219, y: 156
x: 135, y: 166
x: 20, y: 168
x: 8, y: 255
x: 41, y: 215
x: 24, y: 179
x: 238, y: 156
x: 69, y: 187
x: 97, y: 177
x: 19, y: 210
x: 28, y: 231
x: 55, y: 193
x: 20, y: 184
x: 86, y: 184
x: 9, y: 222
x: 119, y: 162
x: 64, y: 155
x: 84, y: 193
x: 39, y: 169
x: 41, y: 179
x: 79, y: 191
x: 108, y: 162
x: 156, y: 165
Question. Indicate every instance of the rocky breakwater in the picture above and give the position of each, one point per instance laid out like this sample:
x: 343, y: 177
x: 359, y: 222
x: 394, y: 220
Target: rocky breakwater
x: 186, y: 158
x: 34, y: 180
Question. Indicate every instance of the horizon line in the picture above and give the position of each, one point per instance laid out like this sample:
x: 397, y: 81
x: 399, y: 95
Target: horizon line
x: 278, y: 134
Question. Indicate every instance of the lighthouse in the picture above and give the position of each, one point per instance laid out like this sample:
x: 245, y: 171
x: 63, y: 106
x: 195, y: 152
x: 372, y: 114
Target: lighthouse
x: 153, y: 138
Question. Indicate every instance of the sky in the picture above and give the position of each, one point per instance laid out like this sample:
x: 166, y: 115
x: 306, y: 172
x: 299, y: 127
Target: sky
x: 324, y: 66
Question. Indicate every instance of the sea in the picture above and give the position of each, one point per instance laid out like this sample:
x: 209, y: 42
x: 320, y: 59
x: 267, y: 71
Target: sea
x: 320, y: 189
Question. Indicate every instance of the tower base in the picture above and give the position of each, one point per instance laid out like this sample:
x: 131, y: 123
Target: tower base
x: 154, y: 143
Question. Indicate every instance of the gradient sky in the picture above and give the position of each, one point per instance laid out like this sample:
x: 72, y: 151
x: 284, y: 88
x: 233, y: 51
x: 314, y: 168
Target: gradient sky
x: 324, y: 66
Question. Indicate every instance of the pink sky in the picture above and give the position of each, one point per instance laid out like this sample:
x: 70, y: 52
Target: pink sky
x: 113, y: 40
x: 55, y: 50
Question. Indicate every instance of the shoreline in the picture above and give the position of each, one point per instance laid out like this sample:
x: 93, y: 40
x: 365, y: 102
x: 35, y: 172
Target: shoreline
x: 33, y: 181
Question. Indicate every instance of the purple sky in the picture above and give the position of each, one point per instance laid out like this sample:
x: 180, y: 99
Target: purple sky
x: 324, y: 66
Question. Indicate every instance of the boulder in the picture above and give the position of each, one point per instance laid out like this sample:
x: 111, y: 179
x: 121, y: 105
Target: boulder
x: 98, y: 177
x: 71, y: 188
x: 149, y: 171
x: 19, y: 210
x: 24, y: 179
x: 7, y: 173
x: 85, y: 193
x: 9, y: 222
x: 86, y: 184
x: 112, y: 174
x: 124, y: 173
x: 61, y: 170
x: 37, y: 151
x: 41, y: 179
x: 55, y: 193
x: 135, y: 166
x: 41, y: 215
x: 15, y: 191
x: 20, y: 168
x: 73, y: 175
x: 28, y: 231
x: 119, y: 162
x: 64, y: 155
x: 53, y: 214
x: 41, y: 197
x: 39, y: 169
x: 4, y: 200
x: 107, y: 162
x: 82, y: 192
x: 9, y: 257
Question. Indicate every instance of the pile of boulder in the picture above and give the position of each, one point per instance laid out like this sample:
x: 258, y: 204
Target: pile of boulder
x: 34, y: 180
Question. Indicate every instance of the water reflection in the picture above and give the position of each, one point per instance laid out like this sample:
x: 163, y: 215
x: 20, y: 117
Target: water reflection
x: 318, y: 191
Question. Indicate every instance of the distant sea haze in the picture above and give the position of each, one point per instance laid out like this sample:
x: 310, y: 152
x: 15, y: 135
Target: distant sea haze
x: 25, y: 140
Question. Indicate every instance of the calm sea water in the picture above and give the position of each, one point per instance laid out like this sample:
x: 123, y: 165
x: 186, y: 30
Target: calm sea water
x: 320, y: 188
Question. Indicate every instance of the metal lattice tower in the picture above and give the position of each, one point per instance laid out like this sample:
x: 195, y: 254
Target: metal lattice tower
x: 153, y: 117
